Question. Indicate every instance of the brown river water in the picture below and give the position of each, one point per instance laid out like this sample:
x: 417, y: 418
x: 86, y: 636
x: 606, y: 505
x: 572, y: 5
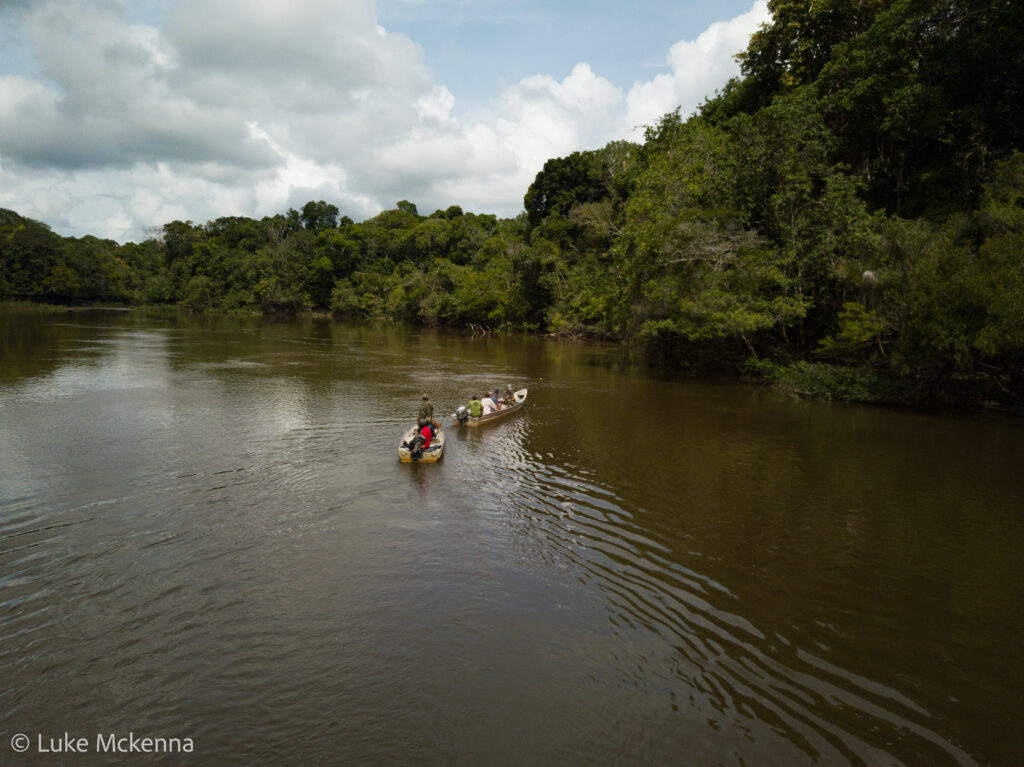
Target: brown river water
x: 206, y: 535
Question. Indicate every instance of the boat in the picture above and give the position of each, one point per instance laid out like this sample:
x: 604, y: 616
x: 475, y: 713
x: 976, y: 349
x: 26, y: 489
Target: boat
x: 463, y: 418
x: 409, y: 450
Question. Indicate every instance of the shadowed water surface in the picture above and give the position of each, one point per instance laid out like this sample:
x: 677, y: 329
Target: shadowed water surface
x: 205, y: 532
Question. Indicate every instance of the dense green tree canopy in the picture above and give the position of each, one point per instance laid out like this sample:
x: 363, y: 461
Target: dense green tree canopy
x: 563, y: 183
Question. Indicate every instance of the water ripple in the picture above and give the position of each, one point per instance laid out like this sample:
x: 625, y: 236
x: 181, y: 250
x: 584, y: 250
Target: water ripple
x: 206, y: 532
x: 837, y: 716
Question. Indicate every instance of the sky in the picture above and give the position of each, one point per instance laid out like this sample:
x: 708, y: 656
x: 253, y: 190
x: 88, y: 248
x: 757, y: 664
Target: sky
x: 118, y: 116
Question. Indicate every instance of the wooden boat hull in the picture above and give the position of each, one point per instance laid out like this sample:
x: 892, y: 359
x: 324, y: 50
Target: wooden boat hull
x: 432, y: 454
x: 497, y: 415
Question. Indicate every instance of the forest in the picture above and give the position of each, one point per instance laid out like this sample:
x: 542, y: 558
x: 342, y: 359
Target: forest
x: 845, y: 219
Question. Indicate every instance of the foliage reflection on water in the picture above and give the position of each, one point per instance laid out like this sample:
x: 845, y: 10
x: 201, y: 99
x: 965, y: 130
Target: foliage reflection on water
x: 204, y: 530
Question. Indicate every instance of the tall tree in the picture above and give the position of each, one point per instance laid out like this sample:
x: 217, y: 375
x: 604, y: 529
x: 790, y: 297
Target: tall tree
x: 319, y: 215
x: 565, y: 182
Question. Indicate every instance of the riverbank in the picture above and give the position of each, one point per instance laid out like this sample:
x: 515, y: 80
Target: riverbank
x: 31, y: 307
x: 804, y: 379
x: 821, y: 381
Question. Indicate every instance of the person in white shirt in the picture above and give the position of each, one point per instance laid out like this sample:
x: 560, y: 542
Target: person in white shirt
x: 489, y: 404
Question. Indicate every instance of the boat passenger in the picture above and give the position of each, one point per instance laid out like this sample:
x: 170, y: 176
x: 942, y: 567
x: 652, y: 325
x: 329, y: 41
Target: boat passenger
x: 427, y: 432
x: 496, y: 398
x: 425, y: 417
x: 475, y: 407
x: 489, y: 404
x: 426, y: 413
x: 510, y: 396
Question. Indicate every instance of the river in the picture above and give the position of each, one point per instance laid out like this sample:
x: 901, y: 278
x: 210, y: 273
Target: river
x: 205, y: 534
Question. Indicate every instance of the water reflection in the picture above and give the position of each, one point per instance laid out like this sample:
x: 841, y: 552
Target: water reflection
x: 204, y: 530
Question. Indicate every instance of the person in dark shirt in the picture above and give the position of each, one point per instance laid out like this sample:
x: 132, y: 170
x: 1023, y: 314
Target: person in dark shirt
x: 426, y: 413
x: 425, y: 417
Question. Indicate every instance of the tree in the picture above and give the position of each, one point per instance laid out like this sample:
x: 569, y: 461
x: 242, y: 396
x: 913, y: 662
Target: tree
x: 964, y: 288
x: 791, y: 49
x: 61, y: 285
x: 320, y: 281
x: 563, y: 183
x: 319, y: 215
x: 28, y: 252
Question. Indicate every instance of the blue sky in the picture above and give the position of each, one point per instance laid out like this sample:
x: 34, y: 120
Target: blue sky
x: 118, y: 116
x: 478, y: 48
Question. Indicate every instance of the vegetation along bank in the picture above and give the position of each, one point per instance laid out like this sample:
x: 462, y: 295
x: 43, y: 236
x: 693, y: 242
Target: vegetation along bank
x: 846, y: 219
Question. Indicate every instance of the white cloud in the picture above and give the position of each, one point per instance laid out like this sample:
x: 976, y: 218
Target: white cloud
x: 698, y: 68
x: 542, y: 118
x: 248, y: 107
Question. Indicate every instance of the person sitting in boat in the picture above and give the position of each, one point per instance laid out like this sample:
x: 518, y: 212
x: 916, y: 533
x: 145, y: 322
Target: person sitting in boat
x: 497, y: 398
x: 475, y: 406
x: 489, y: 404
x: 427, y: 432
x: 509, y: 397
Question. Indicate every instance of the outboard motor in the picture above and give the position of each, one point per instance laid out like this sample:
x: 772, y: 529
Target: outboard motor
x: 462, y: 415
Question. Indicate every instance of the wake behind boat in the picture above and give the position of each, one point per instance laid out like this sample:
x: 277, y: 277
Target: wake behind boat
x: 461, y: 417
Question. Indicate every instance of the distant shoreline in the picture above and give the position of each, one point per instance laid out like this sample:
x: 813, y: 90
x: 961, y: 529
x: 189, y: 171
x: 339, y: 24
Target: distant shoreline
x: 805, y: 380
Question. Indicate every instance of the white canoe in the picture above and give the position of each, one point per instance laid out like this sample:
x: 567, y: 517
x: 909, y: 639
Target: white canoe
x: 495, y: 415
